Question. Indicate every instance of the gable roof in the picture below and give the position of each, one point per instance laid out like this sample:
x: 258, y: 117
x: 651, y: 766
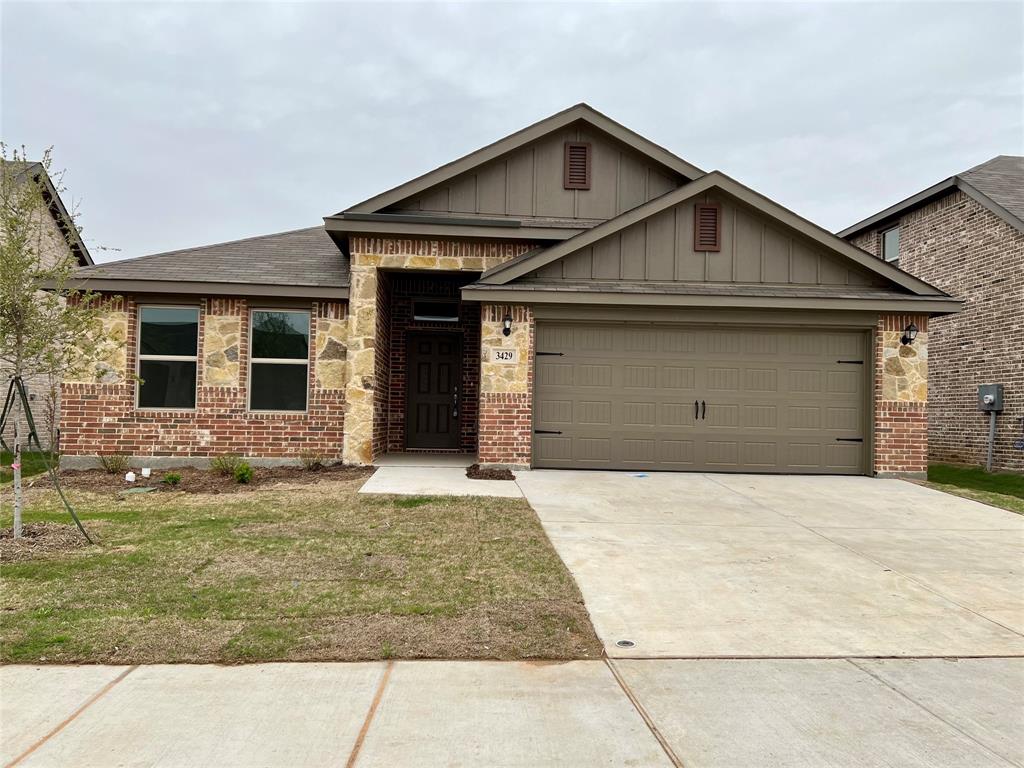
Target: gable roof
x: 997, y: 184
x: 504, y: 273
x: 301, y: 262
x: 28, y: 169
x: 579, y: 112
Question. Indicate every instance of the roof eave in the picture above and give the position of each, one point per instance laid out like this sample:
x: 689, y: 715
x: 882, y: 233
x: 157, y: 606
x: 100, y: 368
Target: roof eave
x: 500, y: 294
x: 444, y: 228
x: 201, y: 288
x: 894, y: 212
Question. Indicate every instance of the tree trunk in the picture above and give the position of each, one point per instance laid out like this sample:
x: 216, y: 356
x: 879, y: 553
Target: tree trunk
x: 16, y: 466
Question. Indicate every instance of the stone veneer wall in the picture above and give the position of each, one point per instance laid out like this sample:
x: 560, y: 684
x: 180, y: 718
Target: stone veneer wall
x: 901, y: 397
x: 100, y: 417
x: 506, y: 390
x: 963, y: 248
x: 367, y: 372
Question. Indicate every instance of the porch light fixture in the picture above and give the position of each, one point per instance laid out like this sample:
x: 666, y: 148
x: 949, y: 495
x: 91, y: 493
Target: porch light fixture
x: 507, y: 322
x: 909, y: 334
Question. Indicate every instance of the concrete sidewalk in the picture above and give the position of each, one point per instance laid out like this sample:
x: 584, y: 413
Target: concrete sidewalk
x: 698, y: 713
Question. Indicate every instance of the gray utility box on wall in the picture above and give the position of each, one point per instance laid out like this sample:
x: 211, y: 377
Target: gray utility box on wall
x: 990, y: 397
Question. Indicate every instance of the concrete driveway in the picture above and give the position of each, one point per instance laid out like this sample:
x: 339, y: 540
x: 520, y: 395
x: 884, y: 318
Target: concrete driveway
x: 693, y: 566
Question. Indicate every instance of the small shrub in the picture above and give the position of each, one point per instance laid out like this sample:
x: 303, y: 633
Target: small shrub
x: 226, y: 465
x: 114, y: 463
x: 243, y: 473
x: 171, y: 478
x: 312, y: 460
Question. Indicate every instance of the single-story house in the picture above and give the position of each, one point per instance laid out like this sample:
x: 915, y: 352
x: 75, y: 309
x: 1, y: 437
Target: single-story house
x: 965, y: 235
x: 572, y: 295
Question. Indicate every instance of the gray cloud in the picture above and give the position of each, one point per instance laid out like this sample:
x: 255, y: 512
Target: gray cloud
x: 182, y: 124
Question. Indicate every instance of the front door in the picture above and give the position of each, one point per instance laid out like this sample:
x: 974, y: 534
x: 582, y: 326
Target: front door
x: 432, y: 413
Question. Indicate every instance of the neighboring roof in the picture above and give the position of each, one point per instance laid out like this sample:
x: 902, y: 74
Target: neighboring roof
x: 583, y: 112
x: 528, y: 262
x: 710, y: 295
x: 28, y: 169
x: 997, y: 184
x: 302, y: 262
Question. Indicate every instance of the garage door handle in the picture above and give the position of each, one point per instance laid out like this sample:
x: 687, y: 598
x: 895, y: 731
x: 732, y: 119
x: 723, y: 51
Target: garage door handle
x: 696, y: 409
x: 703, y: 410
x: 849, y: 439
x: 547, y: 431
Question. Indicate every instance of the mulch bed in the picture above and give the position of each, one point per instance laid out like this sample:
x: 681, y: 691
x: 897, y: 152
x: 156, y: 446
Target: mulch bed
x: 38, y: 539
x: 476, y: 472
x: 202, y: 480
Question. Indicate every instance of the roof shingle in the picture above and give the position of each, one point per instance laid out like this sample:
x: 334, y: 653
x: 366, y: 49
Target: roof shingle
x: 1001, y: 179
x: 301, y: 257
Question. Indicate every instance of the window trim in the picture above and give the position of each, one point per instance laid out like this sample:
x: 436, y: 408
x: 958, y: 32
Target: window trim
x: 139, y: 356
x: 278, y: 361
x: 881, y: 236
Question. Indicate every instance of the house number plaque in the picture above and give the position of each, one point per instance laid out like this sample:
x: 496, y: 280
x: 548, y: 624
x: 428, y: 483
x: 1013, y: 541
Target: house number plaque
x: 505, y: 355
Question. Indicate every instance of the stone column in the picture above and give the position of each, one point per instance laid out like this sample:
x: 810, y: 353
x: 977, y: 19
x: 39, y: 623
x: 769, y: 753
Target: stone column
x: 360, y: 362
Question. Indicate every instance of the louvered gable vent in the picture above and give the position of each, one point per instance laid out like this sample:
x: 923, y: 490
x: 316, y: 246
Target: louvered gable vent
x: 707, y: 227
x: 577, y: 165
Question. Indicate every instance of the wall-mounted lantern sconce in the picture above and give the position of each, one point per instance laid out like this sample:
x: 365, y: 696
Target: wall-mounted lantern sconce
x: 507, y: 330
x: 909, y: 334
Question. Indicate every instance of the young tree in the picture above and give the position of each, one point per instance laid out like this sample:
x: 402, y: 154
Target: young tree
x: 46, y: 329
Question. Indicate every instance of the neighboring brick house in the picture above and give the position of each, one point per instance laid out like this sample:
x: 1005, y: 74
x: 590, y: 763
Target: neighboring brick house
x: 965, y: 235
x: 572, y: 295
x: 58, y: 239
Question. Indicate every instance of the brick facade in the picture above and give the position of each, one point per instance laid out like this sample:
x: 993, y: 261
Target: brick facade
x: 101, y: 417
x: 901, y: 411
x: 958, y: 245
x: 506, y: 398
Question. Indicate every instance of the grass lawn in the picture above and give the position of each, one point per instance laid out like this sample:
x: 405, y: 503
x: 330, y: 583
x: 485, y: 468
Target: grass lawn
x: 1000, y: 489
x: 31, y: 464
x: 301, y: 572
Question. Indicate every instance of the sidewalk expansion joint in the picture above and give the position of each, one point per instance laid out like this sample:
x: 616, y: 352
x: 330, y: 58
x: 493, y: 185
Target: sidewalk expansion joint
x: 70, y: 718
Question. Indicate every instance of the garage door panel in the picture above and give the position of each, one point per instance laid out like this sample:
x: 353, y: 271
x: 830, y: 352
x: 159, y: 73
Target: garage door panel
x: 774, y: 400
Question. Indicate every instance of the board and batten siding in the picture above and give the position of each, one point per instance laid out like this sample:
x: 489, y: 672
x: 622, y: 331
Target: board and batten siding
x: 528, y: 182
x: 661, y: 249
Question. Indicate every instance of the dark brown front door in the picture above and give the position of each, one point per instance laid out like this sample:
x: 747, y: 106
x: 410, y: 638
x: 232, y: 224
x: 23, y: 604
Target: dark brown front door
x: 432, y: 414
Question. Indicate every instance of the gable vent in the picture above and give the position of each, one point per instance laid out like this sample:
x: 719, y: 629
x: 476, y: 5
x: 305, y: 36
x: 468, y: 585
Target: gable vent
x: 707, y: 227
x: 577, y: 165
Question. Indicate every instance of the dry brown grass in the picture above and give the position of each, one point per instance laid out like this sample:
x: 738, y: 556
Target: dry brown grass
x: 294, y: 572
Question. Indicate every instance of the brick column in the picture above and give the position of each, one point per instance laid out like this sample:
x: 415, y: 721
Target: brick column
x: 901, y: 398
x: 506, y: 387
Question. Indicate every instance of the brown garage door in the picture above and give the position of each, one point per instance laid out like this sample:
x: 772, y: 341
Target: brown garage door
x: 643, y: 396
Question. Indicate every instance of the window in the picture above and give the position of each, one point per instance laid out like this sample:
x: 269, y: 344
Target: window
x: 436, y: 311
x: 577, y: 165
x: 891, y: 245
x: 279, y: 360
x: 168, y: 351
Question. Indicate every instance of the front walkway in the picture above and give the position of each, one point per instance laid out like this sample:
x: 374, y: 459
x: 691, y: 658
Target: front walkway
x: 701, y: 714
x: 433, y: 474
x: 694, y: 565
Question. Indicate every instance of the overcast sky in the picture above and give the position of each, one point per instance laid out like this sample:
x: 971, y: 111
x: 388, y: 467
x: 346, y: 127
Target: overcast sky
x: 184, y: 124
